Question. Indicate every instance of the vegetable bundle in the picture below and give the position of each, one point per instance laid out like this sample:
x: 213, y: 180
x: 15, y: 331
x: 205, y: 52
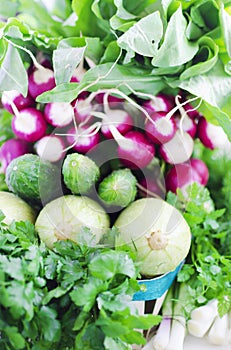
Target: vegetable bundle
x: 106, y: 104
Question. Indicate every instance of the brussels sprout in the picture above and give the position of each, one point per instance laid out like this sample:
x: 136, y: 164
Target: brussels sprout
x: 80, y: 173
x: 118, y: 188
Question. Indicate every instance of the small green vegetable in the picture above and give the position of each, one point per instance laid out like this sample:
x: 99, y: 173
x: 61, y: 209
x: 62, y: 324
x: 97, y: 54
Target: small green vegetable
x: 80, y: 173
x: 14, y: 208
x: 33, y: 179
x: 65, y: 217
x: 118, y: 188
x: 157, y: 231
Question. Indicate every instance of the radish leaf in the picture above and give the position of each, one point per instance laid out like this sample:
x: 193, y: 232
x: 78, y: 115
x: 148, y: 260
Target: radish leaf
x: 178, y: 51
x: 13, y: 75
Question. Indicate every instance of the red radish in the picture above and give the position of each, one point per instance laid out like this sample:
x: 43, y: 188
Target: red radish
x: 16, y: 98
x: 59, y: 114
x: 187, y: 124
x: 112, y: 99
x: 82, y: 109
x: 161, y: 102
x: 210, y: 135
x: 150, y: 187
x: 83, y: 140
x: 134, y: 150
x: 160, y: 129
x: 201, y: 168
x: 50, y: 147
x: 29, y: 124
x: 181, y: 176
x: 191, y: 111
x: 178, y: 150
x: 10, y: 150
x: 120, y: 119
x: 40, y: 80
x: 78, y: 73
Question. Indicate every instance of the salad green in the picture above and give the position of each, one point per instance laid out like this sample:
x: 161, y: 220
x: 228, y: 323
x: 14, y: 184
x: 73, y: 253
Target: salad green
x: 71, y: 297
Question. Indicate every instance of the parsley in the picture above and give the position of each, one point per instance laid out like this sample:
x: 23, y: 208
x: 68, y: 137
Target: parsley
x: 71, y: 297
x: 207, y: 269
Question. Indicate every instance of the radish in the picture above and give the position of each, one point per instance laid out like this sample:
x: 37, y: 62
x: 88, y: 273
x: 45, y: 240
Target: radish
x: 82, y: 110
x: 50, y: 147
x: 161, y: 102
x: 58, y: 114
x: 210, y: 135
x: 187, y: 124
x: 112, y: 99
x: 10, y: 150
x: 120, y: 119
x: 16, y: 98
x: 29, y: 124
x: 201, y: 168
x: 191, y: 111
x: 40, y: 80
x: 181, y: 176
x: 160, y: 129
x: 134, y: 150
x: 150, y: 186
x: 178, y: 150
x: 83, y: 139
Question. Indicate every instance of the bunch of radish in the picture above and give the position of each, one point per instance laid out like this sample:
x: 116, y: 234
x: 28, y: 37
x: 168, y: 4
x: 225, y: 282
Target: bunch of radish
x: 165, y: 131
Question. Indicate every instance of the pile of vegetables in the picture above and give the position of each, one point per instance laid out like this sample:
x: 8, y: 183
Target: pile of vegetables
x: 115, y: 166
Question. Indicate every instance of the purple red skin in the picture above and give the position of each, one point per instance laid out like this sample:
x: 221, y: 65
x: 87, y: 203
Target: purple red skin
x: 154, y: 135
x: 192, y: 114
x: 111, y: 99
x: 12, y: 149
x: 201, y: 168
x: 36, y: 89
x: 202, y: 133
x: 192, y: 131
x: 20, y: 102
x: 123, y: 127
x: 142, y: 153
x: 181, y: 175
x: 151, y: 185
x: 149, y: 107
x: 80, y: 117
x: 40, y: 129
x: 83, y: 147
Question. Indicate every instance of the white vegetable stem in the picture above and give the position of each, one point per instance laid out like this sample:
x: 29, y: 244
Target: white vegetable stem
x: 218, y: 333
x: 178, y: 327
x: 202, y: 318
x: 161, y: 338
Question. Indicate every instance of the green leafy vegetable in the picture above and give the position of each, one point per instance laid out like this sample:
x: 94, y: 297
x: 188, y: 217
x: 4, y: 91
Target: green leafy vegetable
x: 60, y: 299
x: 207, y: 268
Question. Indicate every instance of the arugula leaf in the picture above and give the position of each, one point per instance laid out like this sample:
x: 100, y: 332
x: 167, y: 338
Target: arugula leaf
x: 66, y: 57
x: 13, y: 75
x: 141, y: 38
x: 178, y: 51
x: 226, y: 28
